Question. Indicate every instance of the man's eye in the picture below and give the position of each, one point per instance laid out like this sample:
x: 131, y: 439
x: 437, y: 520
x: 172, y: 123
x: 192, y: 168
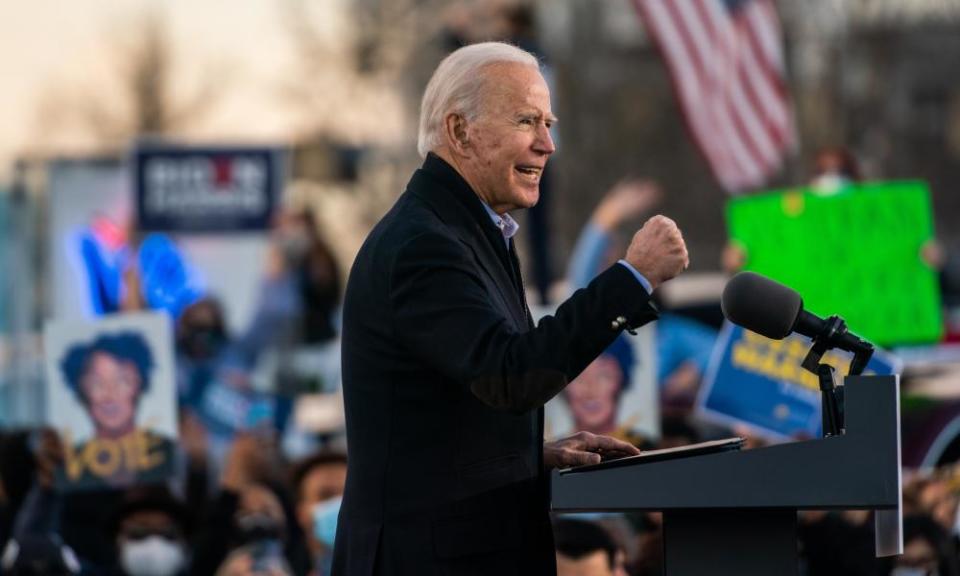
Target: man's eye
x: 527, y: 121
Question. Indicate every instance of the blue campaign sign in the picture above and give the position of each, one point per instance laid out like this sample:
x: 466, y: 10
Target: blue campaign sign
x: 191, y: 189
x: 758, y: 383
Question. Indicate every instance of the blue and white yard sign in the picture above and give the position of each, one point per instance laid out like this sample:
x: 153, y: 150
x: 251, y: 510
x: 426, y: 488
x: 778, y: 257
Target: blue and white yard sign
x: 758, y: 383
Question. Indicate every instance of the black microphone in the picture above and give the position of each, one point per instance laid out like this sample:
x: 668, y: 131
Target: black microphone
x: 773, y: 310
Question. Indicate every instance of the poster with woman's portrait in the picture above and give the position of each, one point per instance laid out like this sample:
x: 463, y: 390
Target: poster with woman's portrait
x: 110, y: 393
x: 615, y: 395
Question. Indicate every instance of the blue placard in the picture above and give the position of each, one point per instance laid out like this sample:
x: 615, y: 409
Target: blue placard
x: 184, y: 189
x: 758, y: 383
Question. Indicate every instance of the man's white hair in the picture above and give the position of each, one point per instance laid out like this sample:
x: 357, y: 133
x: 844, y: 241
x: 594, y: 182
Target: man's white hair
x: 457, y: 86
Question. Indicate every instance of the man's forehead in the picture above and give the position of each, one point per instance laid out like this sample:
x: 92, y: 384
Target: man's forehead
x: 520, y: 89
x: 515, y: 81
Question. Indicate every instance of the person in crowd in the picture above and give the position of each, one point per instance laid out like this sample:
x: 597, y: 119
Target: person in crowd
x: 683, y: 345
x: 444, y: 374
x: 838, y: 543
x: 202, y: 340
x: 259, y: 529
x: 318, y: 483
x: 151, y: 534
x: 300, y: 295
x: 926, y: 550
x: 938, y: 497
x: 649, y: 558
x: 39, y: 554
x: 49, y: 520
x: 586, y: 549
x: 246, y: 525
x: 109, y: 376
x: 834, y: 169
x: 16, y: 477
x: 201, y: 330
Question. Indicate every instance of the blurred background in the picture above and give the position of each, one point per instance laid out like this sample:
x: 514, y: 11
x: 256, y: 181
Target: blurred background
x: 125, y: 129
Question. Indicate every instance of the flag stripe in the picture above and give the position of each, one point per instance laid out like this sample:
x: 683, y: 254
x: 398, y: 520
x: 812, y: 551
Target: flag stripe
x: 745, y: 157
x: 758, y: 28
x: 771, y: 60
x: 726, y: 65
x: 699, y: 121
x: 768, y: 100
x: 764, y: 22
x: 752, y: 130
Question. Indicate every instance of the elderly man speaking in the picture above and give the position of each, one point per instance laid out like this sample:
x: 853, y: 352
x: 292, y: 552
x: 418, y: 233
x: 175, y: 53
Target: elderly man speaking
x: 444, y: 373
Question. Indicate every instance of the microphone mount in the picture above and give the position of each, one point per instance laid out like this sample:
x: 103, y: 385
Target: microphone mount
x: 830, y: 336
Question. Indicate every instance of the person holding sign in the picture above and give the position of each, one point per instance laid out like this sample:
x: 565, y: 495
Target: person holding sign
x: 108, y: 377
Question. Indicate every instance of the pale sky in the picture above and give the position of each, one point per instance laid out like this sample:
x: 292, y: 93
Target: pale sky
x: 56, y: 53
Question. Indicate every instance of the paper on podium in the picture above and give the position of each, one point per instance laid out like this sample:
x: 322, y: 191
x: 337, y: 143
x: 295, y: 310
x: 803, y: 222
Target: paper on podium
x: 700, y: 449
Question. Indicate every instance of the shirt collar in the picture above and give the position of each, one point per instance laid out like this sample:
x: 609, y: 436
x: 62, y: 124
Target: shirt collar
x: 507, y: 225
x: 436, y: 166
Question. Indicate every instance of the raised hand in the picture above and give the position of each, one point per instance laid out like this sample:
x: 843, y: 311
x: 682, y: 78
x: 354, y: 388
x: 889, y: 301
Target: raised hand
x: 658, y: 251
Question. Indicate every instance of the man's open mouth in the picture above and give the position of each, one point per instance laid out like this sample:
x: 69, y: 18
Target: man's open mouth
x: 530, y: 172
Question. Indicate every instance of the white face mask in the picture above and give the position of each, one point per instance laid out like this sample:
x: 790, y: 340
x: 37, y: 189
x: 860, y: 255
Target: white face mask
x: 829, y: 183
x: 152, y: 556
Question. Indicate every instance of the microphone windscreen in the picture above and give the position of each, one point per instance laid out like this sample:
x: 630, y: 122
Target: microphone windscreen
x: 759, y: 304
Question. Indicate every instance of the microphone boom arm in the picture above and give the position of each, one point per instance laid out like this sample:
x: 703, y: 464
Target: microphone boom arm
x: 834, y: 329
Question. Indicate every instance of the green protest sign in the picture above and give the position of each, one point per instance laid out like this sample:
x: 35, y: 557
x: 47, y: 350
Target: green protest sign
x: 855, y: 253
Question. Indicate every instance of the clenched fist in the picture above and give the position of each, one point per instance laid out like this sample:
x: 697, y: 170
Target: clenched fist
x: 657, y: 250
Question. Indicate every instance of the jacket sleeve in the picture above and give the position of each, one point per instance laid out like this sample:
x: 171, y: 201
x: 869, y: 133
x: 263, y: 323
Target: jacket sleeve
x: 444, y: 316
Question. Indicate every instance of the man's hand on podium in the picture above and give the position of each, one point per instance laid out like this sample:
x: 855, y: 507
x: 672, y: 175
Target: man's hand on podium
x: 584, y: 448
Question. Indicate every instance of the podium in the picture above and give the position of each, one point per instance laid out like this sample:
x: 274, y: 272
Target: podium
x: 735, y: 513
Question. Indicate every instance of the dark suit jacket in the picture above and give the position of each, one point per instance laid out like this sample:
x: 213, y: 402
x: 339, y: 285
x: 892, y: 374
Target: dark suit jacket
x: 444, y: 380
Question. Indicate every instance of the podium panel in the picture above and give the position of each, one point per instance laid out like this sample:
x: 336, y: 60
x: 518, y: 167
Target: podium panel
x: 730, y: 543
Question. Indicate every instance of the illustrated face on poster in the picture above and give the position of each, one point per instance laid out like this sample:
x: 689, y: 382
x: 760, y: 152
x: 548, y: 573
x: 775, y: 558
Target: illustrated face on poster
x: 616, y: 394
x: 110, y: 393
x: 594, y: 396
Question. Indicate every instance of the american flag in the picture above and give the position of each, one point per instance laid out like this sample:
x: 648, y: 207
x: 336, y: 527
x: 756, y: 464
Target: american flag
x: 726, y: 61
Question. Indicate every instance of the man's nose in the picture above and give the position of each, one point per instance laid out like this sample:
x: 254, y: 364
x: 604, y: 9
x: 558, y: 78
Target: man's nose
x: 544, y: 142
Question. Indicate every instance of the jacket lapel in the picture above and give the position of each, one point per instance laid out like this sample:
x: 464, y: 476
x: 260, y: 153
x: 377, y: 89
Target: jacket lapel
x: 492, y: 265
x: 468, y: 225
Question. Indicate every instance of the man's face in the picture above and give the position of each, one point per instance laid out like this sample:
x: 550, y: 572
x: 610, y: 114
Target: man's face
x: 111, y: 387
x: 509, y: 142
x: 594, y: 394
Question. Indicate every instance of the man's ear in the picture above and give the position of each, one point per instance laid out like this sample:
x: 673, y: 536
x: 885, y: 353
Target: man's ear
x: 456, y: 134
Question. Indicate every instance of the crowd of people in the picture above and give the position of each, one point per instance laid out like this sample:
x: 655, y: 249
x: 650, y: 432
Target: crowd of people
x: 243, y: 500
x: 258, y: 515
x: 237, y: 501
x: 242, y: 503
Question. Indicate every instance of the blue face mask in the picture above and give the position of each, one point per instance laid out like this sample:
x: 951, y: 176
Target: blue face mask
x: 325, y: 521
